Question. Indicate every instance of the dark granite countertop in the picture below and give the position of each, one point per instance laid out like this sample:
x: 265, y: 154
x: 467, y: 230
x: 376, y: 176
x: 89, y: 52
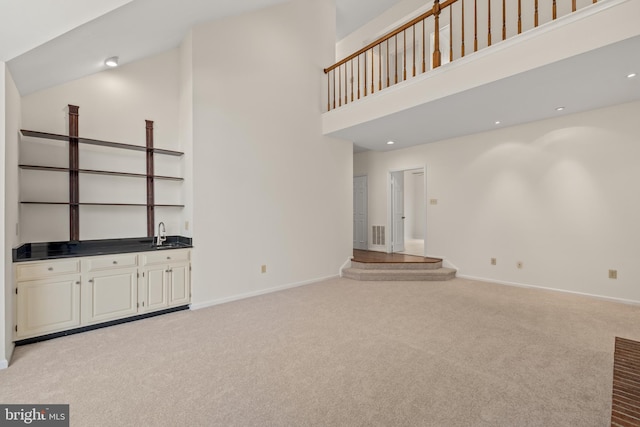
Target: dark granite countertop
x: 55, y: 250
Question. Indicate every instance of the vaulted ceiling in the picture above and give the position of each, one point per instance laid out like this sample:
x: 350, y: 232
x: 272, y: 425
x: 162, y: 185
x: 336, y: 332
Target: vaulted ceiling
x: 71, y: 38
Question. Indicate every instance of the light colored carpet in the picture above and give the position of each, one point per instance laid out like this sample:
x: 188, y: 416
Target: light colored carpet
x: 342, y: 353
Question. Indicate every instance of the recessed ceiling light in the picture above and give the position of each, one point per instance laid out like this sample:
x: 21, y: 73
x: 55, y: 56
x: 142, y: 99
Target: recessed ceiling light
x: 111, y: 62
x: 390, y: 143
x: 498, y: 122
x: 632, y: 75
x: 559, y: 108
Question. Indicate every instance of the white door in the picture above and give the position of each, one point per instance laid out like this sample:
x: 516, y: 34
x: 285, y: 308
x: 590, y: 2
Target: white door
x: 360, y: 221
x: 397, y: 206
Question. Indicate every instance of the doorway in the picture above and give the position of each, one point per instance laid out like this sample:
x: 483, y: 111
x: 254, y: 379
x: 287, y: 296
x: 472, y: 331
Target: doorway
x: 407, y: 211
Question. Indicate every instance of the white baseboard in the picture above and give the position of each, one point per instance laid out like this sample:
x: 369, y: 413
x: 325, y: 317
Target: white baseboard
x: 237, y: 297
x: 524, y: 285
x: 343, y: 266
x: 4, y: 363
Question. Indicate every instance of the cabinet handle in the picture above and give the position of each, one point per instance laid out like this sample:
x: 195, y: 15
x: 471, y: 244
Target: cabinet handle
x: 168, y: 257
x: 115, y: 262
x: 90, y: 280
x: 78, y: 282
x: 50, y: 268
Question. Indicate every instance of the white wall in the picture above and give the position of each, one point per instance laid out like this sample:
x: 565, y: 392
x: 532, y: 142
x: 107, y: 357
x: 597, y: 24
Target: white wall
x: 269, y: 189
x: 186, y: 130
x: 4, y: 319
x: 113, y: 106
x: 12, y: 126
x: 392, y: 18
x: 558, y: 195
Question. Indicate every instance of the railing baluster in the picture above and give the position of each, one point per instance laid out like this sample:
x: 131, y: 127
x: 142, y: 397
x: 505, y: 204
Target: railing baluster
x: 535, y: 14
x: 404, y: 56
x: 413, y: 36
x: 352, y: 80
x: 424, y: 46
x: 462, y: 27
x: 346, y: 85
x: 488, y: 22
x: 387, y: 62
x: 573, y: 6
x: 380, y: 67
x: 519, y: 16
x: 475, y: 25
x: 395, y: 61
x: 358, y: 76
x: 334, y: 89
x: 504, y: 20
x: 339, y: 87
x: 555, y: 11
x: 451, y: 33
x: 373, y: 83
x: 364, y: 60
x: 436, y: 34
x: 328, y: 91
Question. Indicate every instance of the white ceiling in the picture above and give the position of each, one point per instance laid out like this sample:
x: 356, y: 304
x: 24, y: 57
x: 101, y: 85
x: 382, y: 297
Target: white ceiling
x: 72, y: 38
x: 25, y: 25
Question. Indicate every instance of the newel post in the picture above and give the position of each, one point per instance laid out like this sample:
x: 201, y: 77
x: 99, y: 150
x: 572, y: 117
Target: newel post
x: 436, y: 34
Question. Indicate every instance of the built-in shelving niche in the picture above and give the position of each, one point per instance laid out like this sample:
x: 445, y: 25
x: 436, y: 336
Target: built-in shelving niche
x: 74, y: 171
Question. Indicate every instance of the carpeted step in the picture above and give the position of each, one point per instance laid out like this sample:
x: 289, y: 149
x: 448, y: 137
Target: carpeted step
x: 397, y: 265
x: 362, y: 274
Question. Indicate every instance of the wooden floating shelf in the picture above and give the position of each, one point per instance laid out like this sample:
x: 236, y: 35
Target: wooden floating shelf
x: 57, y: 137
x: 99, y: 172
x: 101, y: 204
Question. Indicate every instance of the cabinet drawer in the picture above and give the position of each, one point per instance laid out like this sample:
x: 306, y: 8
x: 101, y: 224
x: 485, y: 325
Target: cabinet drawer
x: 108, y: 262
x: 165, y: 256
x: 35, y: 270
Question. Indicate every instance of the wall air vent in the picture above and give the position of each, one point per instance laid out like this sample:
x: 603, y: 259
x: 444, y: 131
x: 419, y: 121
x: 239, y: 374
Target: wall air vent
x: 378, y: 235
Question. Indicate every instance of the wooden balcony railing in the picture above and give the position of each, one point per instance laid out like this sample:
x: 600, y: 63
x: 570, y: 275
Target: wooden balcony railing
x: 440, y: 35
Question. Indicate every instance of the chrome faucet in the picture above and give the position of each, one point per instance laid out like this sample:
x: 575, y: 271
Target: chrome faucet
x: 162, y: 236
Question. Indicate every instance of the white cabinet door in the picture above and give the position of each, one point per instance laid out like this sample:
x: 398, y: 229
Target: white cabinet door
x: 154, y: 289
x: 109, y: 295
x: 47, y: 305
x: 179, y: 293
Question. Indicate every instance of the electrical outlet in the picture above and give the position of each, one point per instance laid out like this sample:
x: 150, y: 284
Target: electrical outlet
x: 613, y: 274
x: 264, y: 268
x: 494, y: 261
x: 433, y: 201
x: 519, y: 264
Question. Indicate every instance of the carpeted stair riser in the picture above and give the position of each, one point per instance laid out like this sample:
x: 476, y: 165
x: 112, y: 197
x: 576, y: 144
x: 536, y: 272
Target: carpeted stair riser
x: 396, y: 265
x: 361, y: 274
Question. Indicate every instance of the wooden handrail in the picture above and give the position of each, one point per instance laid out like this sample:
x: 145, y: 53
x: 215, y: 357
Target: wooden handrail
x: 387, y: 36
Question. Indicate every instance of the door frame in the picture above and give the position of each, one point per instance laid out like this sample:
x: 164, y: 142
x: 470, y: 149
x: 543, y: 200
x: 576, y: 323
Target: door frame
x: 366, y: 210
x: 390, y: 236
